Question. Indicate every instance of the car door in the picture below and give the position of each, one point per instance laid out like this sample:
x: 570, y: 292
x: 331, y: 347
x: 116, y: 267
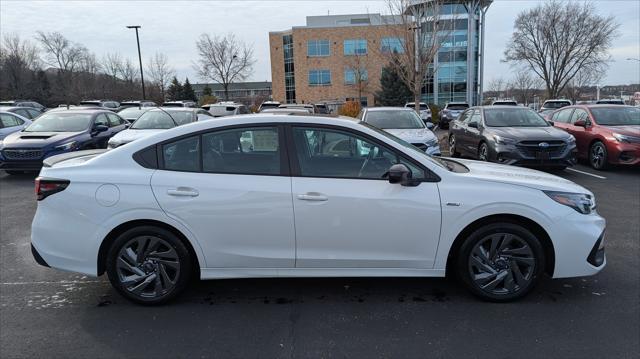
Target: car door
x: 232, y: 190
x: 347, y: 215
x: 473, y: 134
x: 458, y: 129
x: 562, y: 119
x: 100, y: 139
x: 583, y: 134
x: 116, y: 124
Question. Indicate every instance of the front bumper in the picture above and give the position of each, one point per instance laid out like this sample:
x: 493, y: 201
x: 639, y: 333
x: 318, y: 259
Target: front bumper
x: 566, y: 156
x: 578, y: 242
x: 627, y: 154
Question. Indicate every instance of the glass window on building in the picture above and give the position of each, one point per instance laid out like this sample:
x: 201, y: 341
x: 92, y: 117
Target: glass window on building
x: 317, y: 48
x: 351, y: 76
x: 319, y: 77
x: 355, y: 47
x: 392, y: 44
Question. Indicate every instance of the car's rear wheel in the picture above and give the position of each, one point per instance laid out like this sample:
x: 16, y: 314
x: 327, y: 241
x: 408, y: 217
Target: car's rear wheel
x: 483, y: 152
x: 148, y: 265
x: 452, y: 147
x: 598, y: 156
x: 500, y: 262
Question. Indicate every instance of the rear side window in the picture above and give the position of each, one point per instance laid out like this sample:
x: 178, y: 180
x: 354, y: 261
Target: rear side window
x: 242, y: 151
x: 182, y: 155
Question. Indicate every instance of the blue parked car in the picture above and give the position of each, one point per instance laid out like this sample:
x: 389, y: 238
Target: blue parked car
x: 10, y: 123
x: 58, y: 132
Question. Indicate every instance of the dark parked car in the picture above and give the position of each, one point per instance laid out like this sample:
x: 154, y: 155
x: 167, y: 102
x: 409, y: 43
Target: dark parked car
x: 450, y: 112
x: 26, y: 112
x: 511, y: 135
x: 23, y: 103
x: 55, y: 133
x: 605, y: 134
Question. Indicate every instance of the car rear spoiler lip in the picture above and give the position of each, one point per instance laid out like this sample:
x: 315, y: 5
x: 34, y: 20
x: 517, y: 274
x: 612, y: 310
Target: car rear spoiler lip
x: 50, y: 161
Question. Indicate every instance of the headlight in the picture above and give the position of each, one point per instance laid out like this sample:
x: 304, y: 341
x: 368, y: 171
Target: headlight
x: 67, y: 146
x: 626, y: 139
x: 571, y: 139
x: 432, y: 142
x: 503, y: 140
x: 581, y: 202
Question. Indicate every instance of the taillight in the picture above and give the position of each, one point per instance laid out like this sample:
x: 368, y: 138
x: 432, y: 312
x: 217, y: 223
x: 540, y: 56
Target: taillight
x: 45, y: 187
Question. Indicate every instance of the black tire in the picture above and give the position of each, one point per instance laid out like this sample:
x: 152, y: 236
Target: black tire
x: 160, y: 250
x: 483, y: 156
x: 598, y: 156
x: 452, y: 146
x: 515, y: 269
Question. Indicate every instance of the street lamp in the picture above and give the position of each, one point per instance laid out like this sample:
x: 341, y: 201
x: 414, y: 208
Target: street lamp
x: 144, y: 95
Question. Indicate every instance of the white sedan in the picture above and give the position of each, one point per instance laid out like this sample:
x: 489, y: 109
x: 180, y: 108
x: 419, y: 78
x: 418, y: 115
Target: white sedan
x: 297, y: 196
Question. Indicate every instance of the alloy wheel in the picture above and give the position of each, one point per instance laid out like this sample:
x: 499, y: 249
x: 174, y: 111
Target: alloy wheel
x: 452, y: 145
x: 598, y: 156
x: 502, y: 264
x: 148, y: 267
x: 483, y: 152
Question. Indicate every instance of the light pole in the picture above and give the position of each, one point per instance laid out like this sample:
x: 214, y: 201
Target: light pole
x: 144, y: 95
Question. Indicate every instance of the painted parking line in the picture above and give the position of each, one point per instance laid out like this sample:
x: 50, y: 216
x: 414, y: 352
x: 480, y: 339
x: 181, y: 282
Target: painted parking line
x: 586, y: 173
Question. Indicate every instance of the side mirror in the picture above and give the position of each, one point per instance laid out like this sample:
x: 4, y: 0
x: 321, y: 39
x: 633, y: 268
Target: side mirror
x: 473, y: 124
x: 100, y: 128
x: 429, y: 125
x: 580, y: 123
x: 399, y: 173
x: 127, y: 124
x: 551, y: 123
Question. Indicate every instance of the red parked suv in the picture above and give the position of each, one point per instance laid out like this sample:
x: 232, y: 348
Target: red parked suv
x: 605, y: 134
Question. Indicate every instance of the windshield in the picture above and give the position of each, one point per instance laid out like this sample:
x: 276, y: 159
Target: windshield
x: 160, y: 120
x: 616, y: 116
x: 131, y: 112
x: 401, y: 119
x: 513, y: 117
x: 61, y: 122
x: 556, y: 104
x: 457, y: 107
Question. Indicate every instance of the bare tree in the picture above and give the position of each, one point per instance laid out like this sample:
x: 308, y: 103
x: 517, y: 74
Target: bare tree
x: 585, y: 78
x: 558, y: 39
x: 357, y: 64
x: 525, y: 84
x: 129, y: 72
x: 416, y: 43
x: 18, y: 59
x: 497, y: 85
x: 65, y: 56
x: 223, y: 59
x: 112, y: 64
x: 160, y: 72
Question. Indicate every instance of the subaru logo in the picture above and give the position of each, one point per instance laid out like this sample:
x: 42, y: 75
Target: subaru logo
x: 543, y: 145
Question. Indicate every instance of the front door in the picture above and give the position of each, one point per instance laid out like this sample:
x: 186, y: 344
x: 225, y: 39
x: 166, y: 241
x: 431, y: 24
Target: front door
x: 348, y: 216
x: 230, y: 188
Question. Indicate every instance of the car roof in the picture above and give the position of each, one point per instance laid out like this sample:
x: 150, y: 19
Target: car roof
x: 457, y: 103
x: 388, y: 108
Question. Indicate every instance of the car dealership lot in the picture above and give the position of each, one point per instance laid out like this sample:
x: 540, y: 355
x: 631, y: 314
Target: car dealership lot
x: 69, y: 315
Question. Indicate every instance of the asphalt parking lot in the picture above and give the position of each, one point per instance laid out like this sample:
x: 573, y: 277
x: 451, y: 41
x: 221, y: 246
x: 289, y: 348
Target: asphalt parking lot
x: 69, y: 315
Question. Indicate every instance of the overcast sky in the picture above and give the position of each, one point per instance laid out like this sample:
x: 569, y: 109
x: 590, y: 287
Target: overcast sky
x: 172, y: 26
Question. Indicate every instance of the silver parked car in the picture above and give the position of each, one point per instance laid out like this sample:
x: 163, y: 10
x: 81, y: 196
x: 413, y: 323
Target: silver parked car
x: 11, y: 122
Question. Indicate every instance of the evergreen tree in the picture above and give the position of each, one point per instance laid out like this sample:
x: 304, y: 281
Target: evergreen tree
x: 175, y: 91
x: 206, y: 91
x: 187, y: 91
x: 393, y: 92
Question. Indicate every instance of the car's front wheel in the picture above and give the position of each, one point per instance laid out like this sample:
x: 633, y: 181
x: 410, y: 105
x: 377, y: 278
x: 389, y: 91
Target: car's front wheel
x: 598, y: 156
x: 500, y: 262
x: 148, y: 265
x: 452, y: 146
x: 483, y: 152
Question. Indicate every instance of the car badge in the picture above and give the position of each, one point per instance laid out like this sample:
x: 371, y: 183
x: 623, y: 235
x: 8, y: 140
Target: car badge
x: 543, y: 145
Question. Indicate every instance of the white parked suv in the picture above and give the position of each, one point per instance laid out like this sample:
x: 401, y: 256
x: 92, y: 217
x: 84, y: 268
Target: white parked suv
x: 425, y: 111
x: 299, y: 196
x: 226, y: 108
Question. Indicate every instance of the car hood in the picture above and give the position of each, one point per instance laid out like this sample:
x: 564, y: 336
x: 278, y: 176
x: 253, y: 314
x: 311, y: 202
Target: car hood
x: 38, y: 139
x: 530, y: 133
x: 413, y: 135
x: 520, y: 176
x: 630, y: 130
x: 131, y: 135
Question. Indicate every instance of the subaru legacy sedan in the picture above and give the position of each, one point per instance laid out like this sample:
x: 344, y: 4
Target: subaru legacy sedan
x: 272, y: 195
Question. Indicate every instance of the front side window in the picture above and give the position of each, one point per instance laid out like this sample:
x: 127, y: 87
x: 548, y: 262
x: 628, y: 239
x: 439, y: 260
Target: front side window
x: 319, y: 77
x: 61, y: 122
x: 242, y: 151
x: 101, y: 119
x: 392, y: 44
x: 355, y: 47
x: 339, y: 154
x: 579, y: 114
x: 317, y: 48
x: 114, y: 120
x: 182, y: 155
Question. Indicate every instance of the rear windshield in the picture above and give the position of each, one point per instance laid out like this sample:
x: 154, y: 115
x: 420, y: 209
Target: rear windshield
x: 394, y: 119
x: 615, y: 116
x: 161, y: 120
x: 96, y: 103
x: 269, y: 105
x: 506, y: 103
x: 7, y: 103
x: 507, y: 117
x: 556, y: 104
x: 60, y: 122
x: 456, y: 107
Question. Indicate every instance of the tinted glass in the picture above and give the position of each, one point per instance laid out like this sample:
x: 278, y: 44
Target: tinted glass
x: 61, y: 122
x: 162, y: 119
x: 332, y: 153
x: 114, y: 120
x: 563, y: 116
x: 579, y: 114
x: 10, y: 121
x: 394, y: 119
x: 33, y: 113
x: 556, y: 104
x: 507, y: 117
x: 102, y: 119
x: 617, y: 116
x: 182, y: 155
x: 243, y: 151
x: 457, y: 107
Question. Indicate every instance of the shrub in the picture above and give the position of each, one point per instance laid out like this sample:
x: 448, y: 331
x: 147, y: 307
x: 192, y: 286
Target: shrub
x: 350, y: 108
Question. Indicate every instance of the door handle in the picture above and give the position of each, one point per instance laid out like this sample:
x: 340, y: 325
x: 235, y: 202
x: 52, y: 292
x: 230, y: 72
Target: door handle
x: 313, y: 196
x: 183, y: 192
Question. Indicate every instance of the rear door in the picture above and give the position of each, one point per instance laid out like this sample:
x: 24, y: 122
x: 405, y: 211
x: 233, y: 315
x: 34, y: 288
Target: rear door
x: 232, y: 189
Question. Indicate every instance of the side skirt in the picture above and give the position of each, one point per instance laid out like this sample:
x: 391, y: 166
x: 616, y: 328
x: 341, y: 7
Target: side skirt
x: 221, y: 273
